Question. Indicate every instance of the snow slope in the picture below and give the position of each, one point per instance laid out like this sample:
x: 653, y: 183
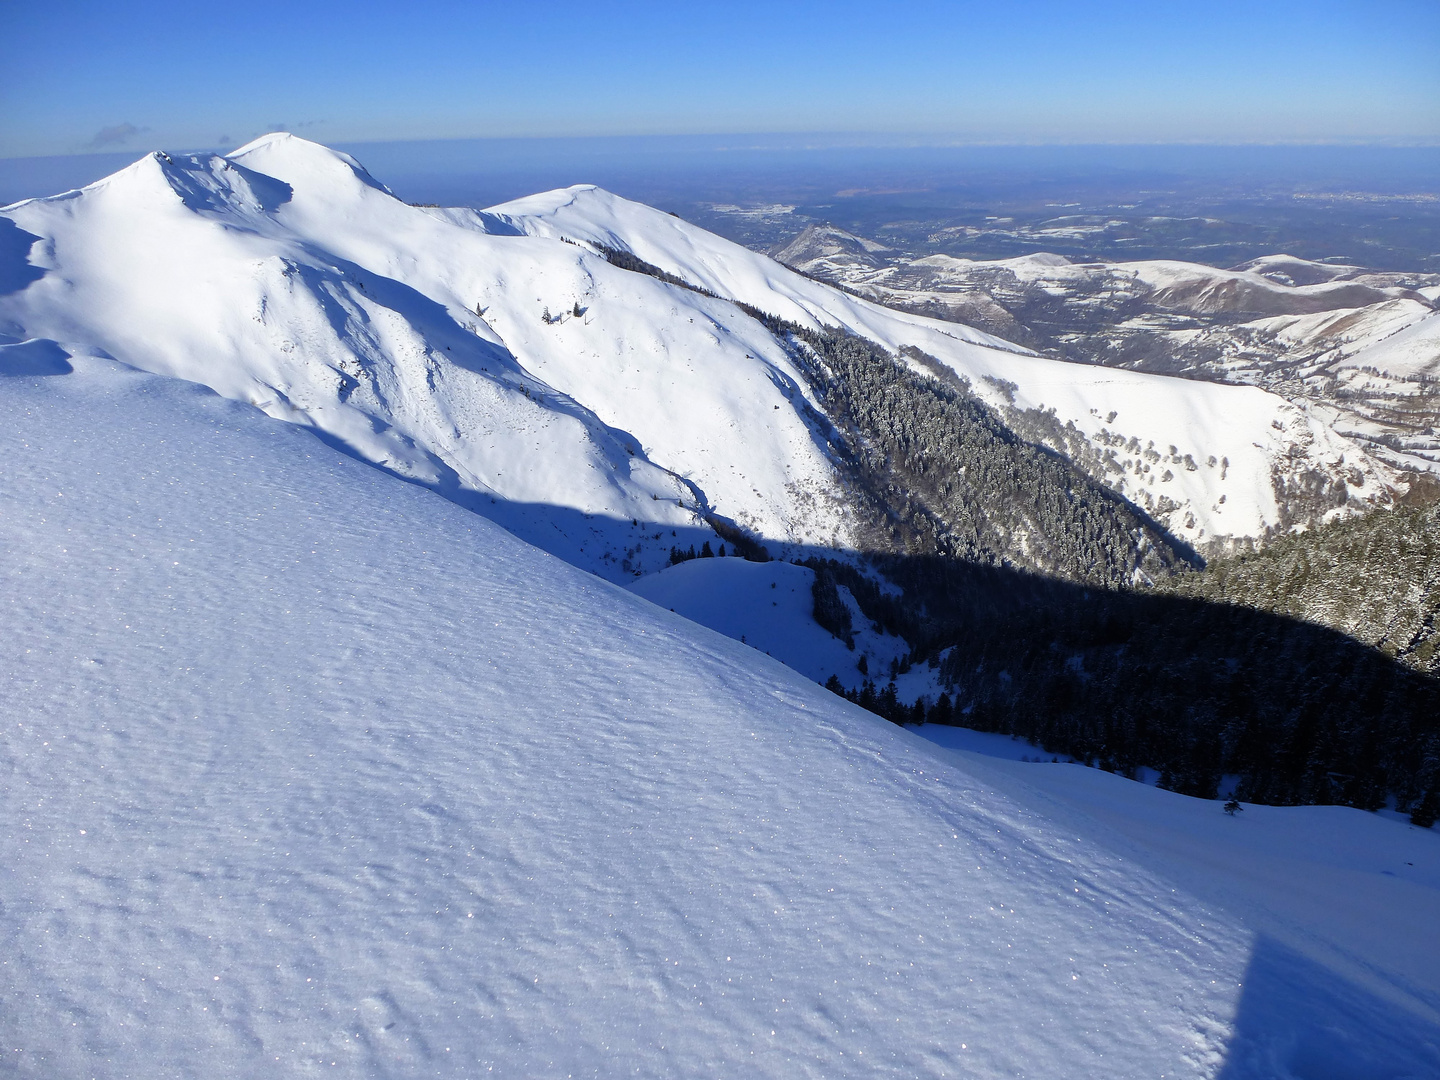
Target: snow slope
x: 1410, y: 353
x: 1262, y: 445
x: 1329, y: 886
x: 1344, y: 330
x: 309, y: 770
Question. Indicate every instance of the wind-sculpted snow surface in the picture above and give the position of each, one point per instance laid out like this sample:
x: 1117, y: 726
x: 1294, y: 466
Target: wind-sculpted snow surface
x: 309, y: 770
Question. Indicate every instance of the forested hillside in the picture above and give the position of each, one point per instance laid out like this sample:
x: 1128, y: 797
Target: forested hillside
x: 935, y: 471
x: 931, y: 469
x: 1375, y: 578
x: 1078, y: 660
x: 1119, y: 677
x: 1195, y: 689
x: 1024, y: 584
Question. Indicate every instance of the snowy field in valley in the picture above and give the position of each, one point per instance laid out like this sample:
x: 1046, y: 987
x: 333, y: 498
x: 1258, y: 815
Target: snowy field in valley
x: 310, y: 771
x: 767, y: 605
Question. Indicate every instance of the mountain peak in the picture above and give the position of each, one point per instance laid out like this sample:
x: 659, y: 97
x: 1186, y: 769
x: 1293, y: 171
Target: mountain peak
x: 204, y: 183
x: 295, y: 160
x: 268, y: 139
x: 821, y: 240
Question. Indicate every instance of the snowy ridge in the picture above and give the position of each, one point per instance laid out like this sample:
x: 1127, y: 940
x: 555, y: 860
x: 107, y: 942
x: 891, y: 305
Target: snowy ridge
x: 309, y: 770
x: 596, y: 216
x: 1183, y: 286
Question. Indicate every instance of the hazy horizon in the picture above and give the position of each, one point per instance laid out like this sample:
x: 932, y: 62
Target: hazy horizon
x: 483, y: 171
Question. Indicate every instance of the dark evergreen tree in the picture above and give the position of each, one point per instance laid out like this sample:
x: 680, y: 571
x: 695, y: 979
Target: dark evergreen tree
x: 940, y: 712
x: 1427, y: 810
x: 828, y: 609
x: 867, y: 698
x: 888, y: 704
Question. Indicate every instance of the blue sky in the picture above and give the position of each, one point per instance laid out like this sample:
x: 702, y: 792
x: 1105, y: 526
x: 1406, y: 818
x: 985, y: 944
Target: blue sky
x: 80, y: 77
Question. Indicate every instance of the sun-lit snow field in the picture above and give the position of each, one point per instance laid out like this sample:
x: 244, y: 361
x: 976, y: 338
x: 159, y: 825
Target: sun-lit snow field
x: 307, y: 770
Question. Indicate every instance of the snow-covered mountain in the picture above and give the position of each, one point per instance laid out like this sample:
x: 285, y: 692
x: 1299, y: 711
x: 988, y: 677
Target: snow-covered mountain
x: 606, y: 415
x: 307, y: 770
x: 286, y: 277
